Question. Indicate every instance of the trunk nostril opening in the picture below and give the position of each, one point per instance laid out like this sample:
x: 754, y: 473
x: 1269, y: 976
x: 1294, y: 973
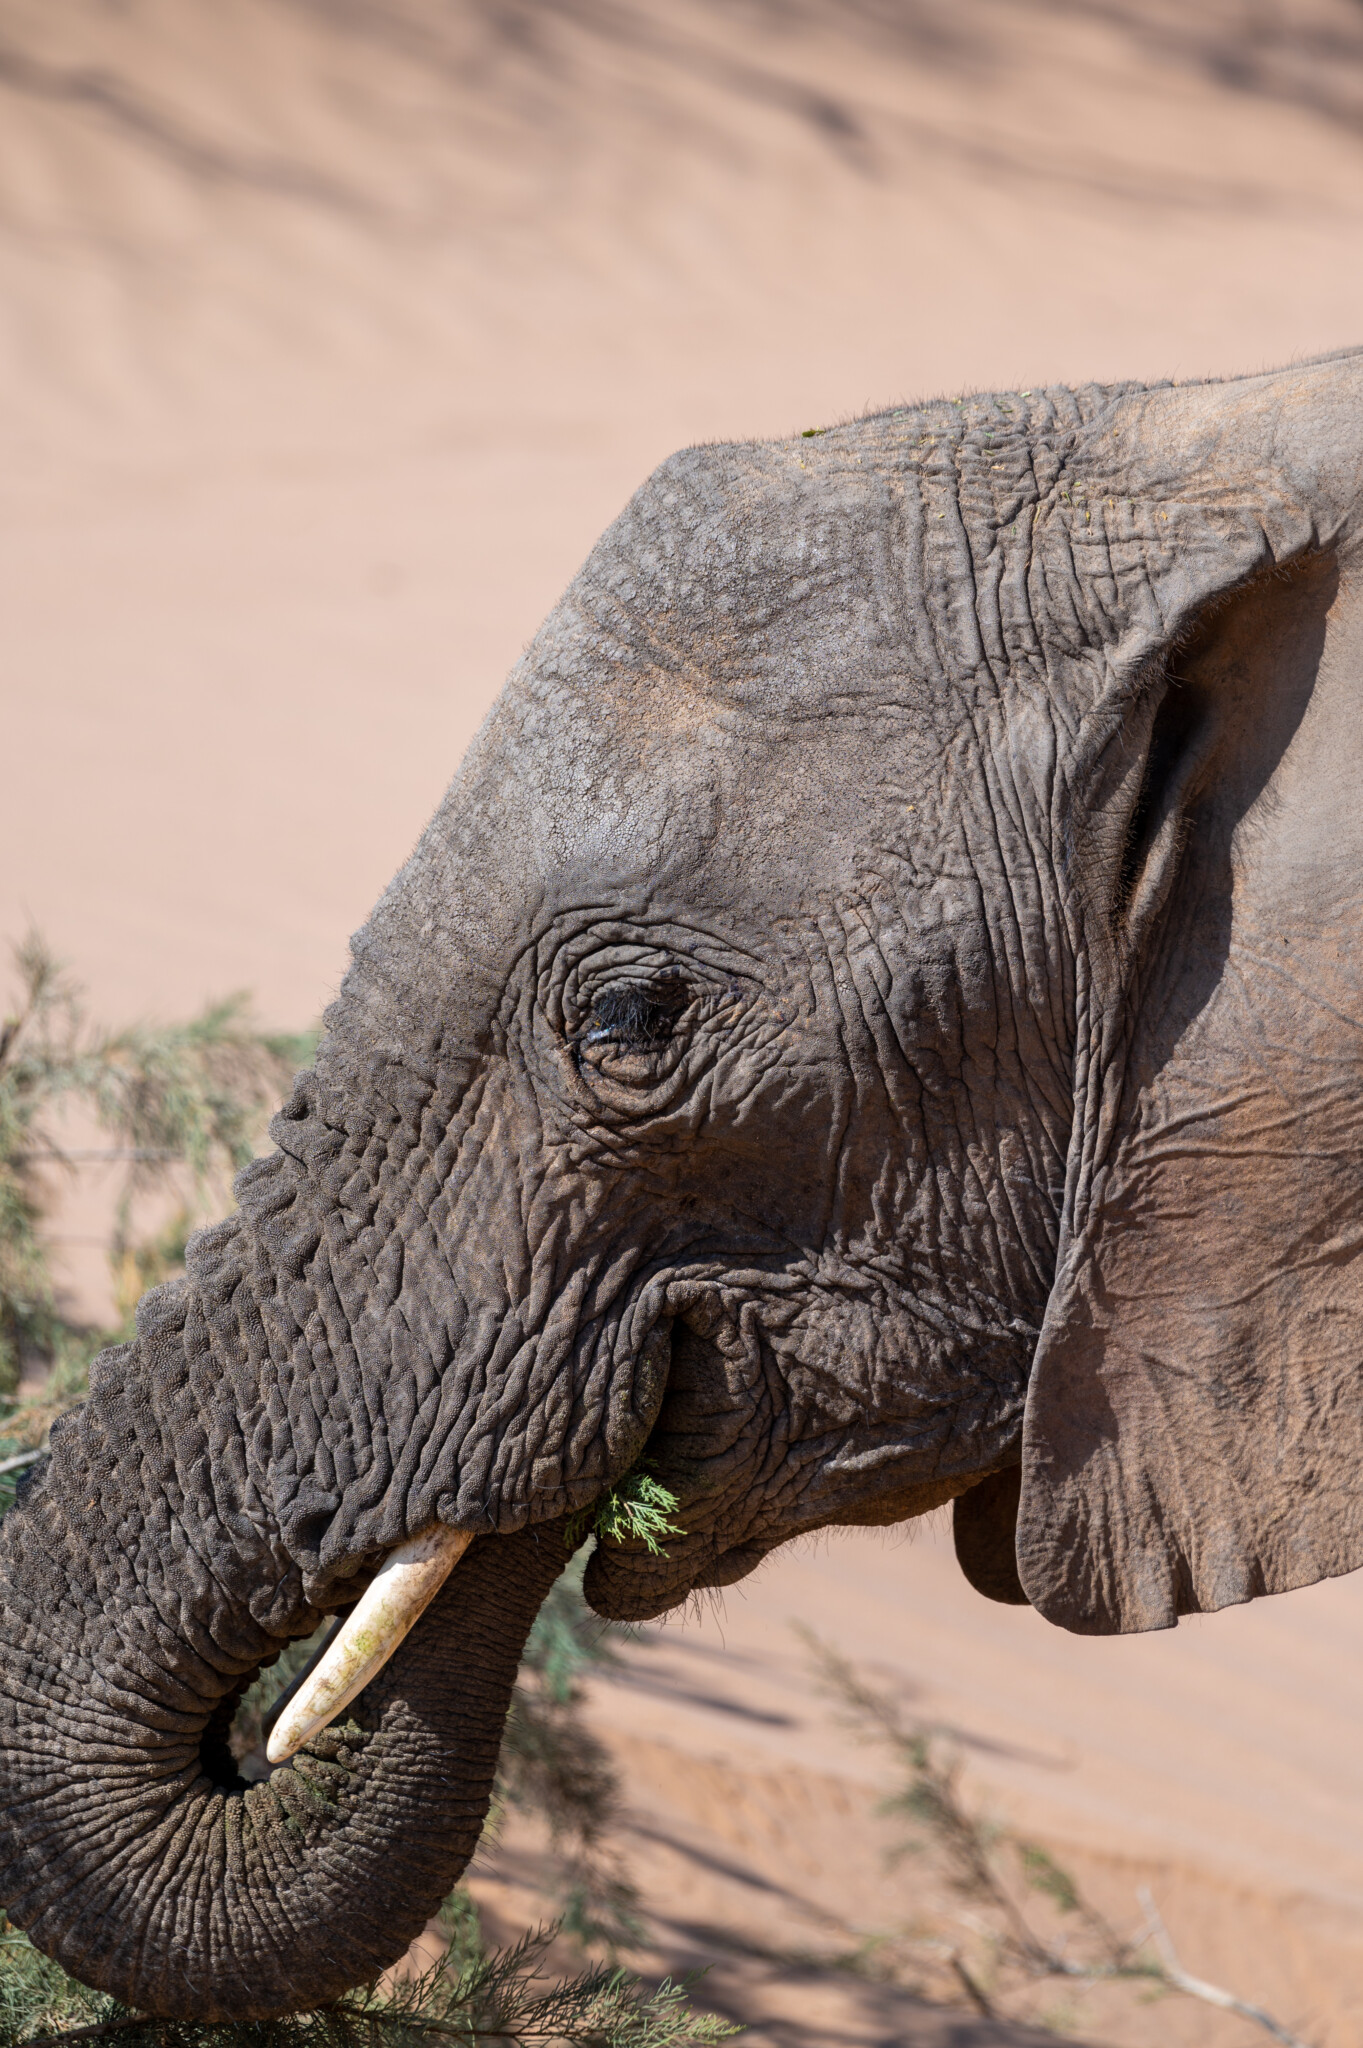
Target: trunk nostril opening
x: 219, y: 1752
x: 232, y: 1746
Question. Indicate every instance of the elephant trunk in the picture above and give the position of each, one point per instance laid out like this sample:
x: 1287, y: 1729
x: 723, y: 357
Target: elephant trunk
x: 129, y: 1849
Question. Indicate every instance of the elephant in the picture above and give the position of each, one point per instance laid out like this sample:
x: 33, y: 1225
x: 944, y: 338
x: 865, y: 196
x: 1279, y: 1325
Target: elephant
x: 876, y: 1022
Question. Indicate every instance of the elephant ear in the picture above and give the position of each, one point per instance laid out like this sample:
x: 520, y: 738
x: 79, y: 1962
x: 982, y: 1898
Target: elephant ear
x: 1194, y: 1427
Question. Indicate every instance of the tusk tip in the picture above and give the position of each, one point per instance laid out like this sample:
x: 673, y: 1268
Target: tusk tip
x: 400, y: 1592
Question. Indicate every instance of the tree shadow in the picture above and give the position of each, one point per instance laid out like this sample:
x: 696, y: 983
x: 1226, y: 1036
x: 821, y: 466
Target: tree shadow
x: 537, y: 63
x: 169, y: 135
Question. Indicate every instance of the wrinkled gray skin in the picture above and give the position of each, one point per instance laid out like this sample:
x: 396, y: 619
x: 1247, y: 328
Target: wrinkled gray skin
x: 876, y: 1020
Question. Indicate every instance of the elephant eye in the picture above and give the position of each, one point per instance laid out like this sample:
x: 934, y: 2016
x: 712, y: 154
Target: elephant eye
x: 636, y: 1016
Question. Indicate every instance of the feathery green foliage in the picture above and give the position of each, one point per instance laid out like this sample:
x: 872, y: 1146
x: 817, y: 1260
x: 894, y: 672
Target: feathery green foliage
x: 1045, y: 1875
x: 498, y: 1999
x: 177, y: 1102
x: 567, y: 1641
x: 990, y: 1865
x: 552, y: 1765
x: 635, y: 1510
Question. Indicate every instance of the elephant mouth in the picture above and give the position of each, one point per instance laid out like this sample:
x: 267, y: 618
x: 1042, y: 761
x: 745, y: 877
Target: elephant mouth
x: 722, y: 1445
x: 719, y: 1431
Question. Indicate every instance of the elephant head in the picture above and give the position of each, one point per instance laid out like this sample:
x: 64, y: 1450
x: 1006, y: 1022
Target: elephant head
x: 877, y: 1020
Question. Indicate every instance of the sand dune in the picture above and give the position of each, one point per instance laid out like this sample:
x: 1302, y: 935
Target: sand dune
x: 331, y: 332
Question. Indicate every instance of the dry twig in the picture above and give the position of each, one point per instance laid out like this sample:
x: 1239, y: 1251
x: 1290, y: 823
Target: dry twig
x: 974, y: 1855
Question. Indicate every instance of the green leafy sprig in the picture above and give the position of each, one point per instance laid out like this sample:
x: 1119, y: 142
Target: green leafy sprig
x: 637, y: 1509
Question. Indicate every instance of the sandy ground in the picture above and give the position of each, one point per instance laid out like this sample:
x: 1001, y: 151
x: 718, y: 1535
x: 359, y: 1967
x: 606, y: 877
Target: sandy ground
x: 1217, y: 1766
x: 331, y: 333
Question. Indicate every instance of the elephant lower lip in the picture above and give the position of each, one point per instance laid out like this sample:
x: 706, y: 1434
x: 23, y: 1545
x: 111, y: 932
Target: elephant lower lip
x: 731, y: 1566
x: 633, y: 1590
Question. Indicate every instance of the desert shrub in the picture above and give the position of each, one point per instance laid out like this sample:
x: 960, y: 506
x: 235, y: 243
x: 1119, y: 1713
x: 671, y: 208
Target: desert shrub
x: 499, y: 1999
x: 181, y: 1106
x: 553, y: 1766
x: 637, y: 1509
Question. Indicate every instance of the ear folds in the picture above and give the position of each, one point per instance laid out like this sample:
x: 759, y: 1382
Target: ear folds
x: 1194, y: 1429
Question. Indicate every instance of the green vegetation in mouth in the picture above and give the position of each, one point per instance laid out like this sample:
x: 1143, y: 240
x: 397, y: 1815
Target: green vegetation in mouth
x: 637, y: 1509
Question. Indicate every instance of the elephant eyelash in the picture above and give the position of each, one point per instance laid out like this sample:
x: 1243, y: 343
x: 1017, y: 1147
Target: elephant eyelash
x: 636, y: 1016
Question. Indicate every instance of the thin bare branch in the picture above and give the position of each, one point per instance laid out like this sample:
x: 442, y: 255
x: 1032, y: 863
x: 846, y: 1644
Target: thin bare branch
x: 1198, y: 1987
x: 967, y: 1982
x: 976, y: 1855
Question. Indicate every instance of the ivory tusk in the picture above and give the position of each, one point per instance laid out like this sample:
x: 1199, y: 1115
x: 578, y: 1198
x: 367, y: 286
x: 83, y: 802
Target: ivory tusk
x: 300, y: 1678
x: 399, y: 1594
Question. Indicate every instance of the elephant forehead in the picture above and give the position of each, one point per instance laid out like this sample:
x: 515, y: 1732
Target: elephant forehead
x: 785, y: 664
x: 777, y: 817
x: 763, y: 582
